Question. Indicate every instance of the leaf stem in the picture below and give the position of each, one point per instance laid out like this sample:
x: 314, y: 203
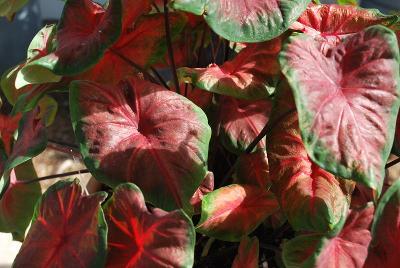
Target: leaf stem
x: 67, y: 149
x: 207, y: 246
x: 203, y: 37
x: 134, y: 65
x: 267, y: 128
x: 392, y: 163
x: 156, y: 7
x: 169, y: 45
x: 154, y: 70
x: 82, y: 171
x: 226, y: 51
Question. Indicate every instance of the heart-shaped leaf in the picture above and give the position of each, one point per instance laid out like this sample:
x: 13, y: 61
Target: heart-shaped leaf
x: 385, y: 247
x: 160, y: 136
x: 346, y: 96
x: 141, y: 238
x: 242, y: 121
x: 247, y: 254
x: 312, y: 198
x: 80, y: 43
x: 348, y: 248
x: 333, y: 22
x: 67, y: 229
x: 18, y: 202
x: 246, y: 21
x: 250, y: 75
x: 136, y: 49
x: 234, y: 211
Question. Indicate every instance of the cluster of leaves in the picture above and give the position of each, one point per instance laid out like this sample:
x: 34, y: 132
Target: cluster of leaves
x: 295, y: 117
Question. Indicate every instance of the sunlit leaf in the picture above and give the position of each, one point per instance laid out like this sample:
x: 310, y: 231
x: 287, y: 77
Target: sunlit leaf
x: 333, y: 22
x: 244, y: 21
x: 234, y: 211
x: 312, y: 198
x: 347, y: 248
x: 346, y: 96
x: 42, y: 44
x: 160, y: 136
x: 250, y: 75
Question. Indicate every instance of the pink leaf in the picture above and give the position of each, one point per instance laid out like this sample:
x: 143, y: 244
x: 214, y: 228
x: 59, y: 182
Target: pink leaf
x: 161, y: 137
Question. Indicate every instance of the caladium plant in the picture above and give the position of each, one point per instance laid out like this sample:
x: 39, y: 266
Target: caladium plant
x: 227, y: 134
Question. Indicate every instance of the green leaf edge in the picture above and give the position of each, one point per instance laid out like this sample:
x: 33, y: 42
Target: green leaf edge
x: 94, y: 165
x: 194, y: 73
x: 395, y: 188
x: 58, y: 69
x: 330, y: 163
x: 191, y: 231
x: 206, y: 206
x: 102, y: 226
x: 230, y: 30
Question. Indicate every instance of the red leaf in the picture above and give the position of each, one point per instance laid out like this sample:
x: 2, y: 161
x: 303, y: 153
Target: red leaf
x: 31, y: 141
x: 385, y: 246
x: 250, y: 21
x: 82, y: 42
x: 8, y: 125
x: 242, y: 121
x: 68, y: 229
x: 333, y: 22
x: 312, y: 198
x: 142, y: 238
x: 201, y: 98
x: 143, y: 46
x: 160, y: 136
x: 247, y: 256
x: 346, y: 96
x: 349, y: 248
x: 131, y: 10
x: 234, y: 211
x: 206, y: 186
x: 250, y: 75
x: 253, y: 169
